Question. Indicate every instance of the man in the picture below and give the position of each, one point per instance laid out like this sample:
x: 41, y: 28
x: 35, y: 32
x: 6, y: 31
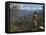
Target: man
x: 35, y: 21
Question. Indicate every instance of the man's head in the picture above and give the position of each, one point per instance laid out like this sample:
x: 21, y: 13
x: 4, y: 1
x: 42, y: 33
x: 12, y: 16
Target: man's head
x: 35, y: 13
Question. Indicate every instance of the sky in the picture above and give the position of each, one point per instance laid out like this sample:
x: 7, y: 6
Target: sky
x: 30, y: 7
x: 26, y: 8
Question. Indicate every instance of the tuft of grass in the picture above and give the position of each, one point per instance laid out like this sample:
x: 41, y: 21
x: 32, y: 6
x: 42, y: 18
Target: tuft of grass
x: 12, y: 27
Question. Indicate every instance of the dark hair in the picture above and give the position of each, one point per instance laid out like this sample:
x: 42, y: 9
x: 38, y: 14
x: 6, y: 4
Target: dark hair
x: 35, y: 13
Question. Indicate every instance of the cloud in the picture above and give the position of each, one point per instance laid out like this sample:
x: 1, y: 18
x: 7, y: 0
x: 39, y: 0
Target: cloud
x: 37, y: 8
x: 25, y: 8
